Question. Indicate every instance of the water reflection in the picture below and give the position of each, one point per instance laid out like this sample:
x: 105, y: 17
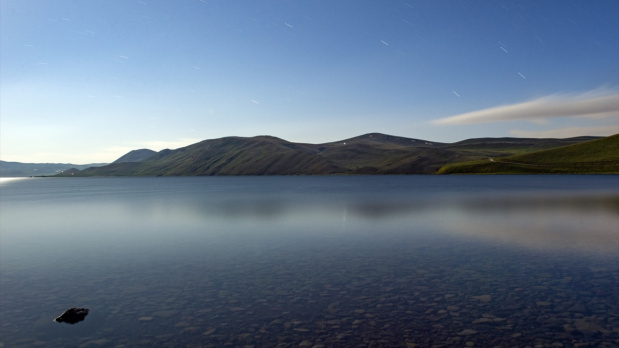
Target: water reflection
x: 581, y: 223
x: 578, y: 222
x: 87, y: 215
x: 6, y: 180
x: 331, y: 261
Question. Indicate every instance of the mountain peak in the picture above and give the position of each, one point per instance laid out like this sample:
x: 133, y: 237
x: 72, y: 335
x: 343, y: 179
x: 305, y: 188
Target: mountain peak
x: 136, y: 156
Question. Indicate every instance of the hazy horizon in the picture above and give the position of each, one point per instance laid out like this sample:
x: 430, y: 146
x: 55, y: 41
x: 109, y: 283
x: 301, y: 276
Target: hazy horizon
x: 86, y: 82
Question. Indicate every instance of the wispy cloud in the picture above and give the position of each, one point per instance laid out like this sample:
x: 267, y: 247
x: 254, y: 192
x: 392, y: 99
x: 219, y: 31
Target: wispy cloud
x: 568, y: 132
x: 594, y: 104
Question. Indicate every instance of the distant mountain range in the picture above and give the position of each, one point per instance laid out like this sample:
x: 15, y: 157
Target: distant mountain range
x: 18, y: 169
x: 372, y: 153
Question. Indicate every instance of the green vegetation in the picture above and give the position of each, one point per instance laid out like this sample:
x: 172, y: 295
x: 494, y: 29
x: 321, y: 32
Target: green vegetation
x: 136, y: 156
x: 367, y: 154
x: 599, y: 156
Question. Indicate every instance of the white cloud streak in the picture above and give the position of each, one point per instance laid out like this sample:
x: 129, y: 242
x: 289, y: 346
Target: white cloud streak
x: 596, y: 104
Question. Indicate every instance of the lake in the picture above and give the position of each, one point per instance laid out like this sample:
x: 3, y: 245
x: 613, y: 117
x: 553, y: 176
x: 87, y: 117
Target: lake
x: 340, y: 261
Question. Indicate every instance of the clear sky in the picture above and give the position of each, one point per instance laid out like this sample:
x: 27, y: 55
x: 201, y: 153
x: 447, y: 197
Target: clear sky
x: 87, y: 81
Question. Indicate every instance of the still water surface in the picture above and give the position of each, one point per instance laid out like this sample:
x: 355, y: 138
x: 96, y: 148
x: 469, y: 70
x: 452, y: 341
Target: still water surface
x: 311, y: 261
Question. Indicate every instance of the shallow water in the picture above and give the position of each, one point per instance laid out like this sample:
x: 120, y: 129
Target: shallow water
x: 311, y: 261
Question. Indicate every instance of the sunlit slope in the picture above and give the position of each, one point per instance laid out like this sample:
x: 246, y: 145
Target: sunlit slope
x: 373, y: 153
x: 600, y: 156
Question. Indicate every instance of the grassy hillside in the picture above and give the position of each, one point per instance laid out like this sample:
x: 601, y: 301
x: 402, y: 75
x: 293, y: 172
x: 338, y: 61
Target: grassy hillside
x: 589, y: 157
x: 226, y: 156
x: 136, y: 156
x: 377, y: 153
x: 264, y: 155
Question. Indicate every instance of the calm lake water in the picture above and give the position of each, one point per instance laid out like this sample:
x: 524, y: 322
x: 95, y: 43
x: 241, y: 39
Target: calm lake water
x: 362, y: 261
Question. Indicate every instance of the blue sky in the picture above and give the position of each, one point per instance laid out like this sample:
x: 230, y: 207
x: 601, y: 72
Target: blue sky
x: 87, y: 81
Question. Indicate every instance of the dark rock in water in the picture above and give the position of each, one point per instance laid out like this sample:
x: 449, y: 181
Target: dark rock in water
x: 72, y: 315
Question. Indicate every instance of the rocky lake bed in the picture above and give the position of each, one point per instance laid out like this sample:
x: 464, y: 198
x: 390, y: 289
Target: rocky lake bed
x: 395, y: 295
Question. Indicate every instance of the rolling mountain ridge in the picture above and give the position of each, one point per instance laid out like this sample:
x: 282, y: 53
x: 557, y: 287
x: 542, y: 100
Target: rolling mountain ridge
x: 372, y: 153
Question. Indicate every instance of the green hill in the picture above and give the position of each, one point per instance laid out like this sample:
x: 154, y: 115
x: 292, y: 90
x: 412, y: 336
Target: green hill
x: 261, y: 155
x: 600, y: 156
x: 136, y: 156
x: 372, y: 153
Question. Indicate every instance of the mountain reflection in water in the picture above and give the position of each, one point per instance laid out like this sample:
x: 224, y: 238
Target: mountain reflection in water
x: 567, y: 221
x: 311, y: 261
